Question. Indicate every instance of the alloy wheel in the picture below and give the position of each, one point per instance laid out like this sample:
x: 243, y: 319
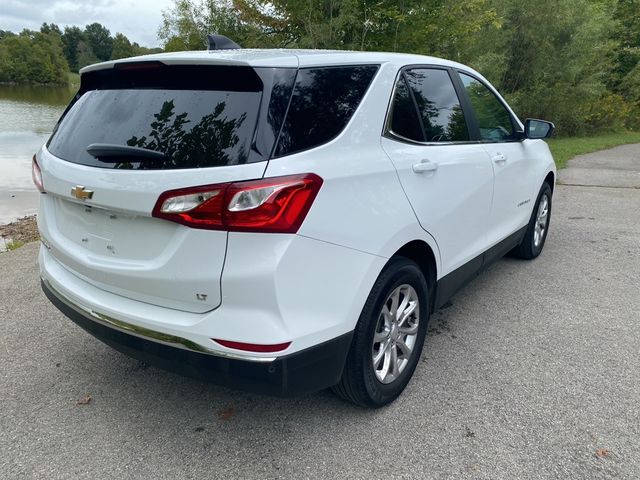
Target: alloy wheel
x: 542, y: 217
x: 395, y: 334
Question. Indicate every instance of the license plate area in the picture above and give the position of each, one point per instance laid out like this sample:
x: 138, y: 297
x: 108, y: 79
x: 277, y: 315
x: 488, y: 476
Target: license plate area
x: 112, y: 234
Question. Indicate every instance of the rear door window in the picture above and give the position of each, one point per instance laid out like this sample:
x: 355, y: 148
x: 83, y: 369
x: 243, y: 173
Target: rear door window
x: 323, y: 101
x: 196, y: 117
x: 404, y: 116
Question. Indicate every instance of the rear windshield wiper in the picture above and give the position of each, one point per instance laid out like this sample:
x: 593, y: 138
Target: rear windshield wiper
x: 111, y: 153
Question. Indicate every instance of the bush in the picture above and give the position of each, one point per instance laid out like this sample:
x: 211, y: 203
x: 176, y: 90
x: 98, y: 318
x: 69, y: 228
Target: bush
x: 32, y: 57
x: 609, y: 113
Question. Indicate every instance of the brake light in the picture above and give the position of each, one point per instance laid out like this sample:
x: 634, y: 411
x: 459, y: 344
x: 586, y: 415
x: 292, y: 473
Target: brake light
x: 276, y: 205
x: 138, y: 65
x: 36, y: 175
x: 252, y: 347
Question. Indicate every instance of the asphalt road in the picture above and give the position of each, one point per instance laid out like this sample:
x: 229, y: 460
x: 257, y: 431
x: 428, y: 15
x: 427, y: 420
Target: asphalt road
x: 532, y: 372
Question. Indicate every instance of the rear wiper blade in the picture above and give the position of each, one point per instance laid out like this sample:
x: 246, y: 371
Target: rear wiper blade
x: 107, y: 152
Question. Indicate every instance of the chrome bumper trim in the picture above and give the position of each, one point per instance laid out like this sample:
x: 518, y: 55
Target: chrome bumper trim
x: 146, y: 333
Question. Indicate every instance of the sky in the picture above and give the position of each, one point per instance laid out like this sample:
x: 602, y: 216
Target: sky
x: 137, y: 19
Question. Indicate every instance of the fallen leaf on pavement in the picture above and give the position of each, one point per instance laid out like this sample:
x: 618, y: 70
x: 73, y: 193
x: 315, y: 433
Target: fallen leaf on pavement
x: 84, y: 400
x: 226, y: 414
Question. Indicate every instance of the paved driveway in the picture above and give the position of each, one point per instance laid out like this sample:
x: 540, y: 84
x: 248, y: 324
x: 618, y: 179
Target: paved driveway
x: 532, y: 372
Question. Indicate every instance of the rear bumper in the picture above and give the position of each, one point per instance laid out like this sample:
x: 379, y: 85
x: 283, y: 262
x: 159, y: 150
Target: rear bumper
x: 305, y: 371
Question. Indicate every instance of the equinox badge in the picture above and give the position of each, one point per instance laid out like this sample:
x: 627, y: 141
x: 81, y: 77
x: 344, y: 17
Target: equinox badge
x: 81, y: 193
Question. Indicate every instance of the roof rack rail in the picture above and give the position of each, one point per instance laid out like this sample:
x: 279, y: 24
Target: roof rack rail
x: 220, y: 42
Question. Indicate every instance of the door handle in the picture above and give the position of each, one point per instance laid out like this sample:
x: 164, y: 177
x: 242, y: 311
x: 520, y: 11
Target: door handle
x: 425, y: 166
x: 499, y: 158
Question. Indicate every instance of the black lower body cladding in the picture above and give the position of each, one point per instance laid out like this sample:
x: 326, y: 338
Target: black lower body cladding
x: 307, y: 371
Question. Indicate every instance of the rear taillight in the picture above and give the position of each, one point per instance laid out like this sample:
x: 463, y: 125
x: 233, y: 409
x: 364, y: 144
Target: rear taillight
x: 36, y: 175
x: 277, y: 205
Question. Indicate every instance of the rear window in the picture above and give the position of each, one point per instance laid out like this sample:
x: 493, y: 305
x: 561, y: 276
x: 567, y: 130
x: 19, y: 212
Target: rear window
x: 323, y: 101
x: 404, y: 116
x: 203, y: 116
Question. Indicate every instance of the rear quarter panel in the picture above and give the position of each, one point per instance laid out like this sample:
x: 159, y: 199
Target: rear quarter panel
x: 361, y: 204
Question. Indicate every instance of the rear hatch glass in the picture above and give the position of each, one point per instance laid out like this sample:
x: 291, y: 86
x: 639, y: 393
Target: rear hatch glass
x: 205, y: 116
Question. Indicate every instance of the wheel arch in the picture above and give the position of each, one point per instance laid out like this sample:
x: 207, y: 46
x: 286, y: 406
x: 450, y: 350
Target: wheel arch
x: 423, y: 255
x: 551, y: 180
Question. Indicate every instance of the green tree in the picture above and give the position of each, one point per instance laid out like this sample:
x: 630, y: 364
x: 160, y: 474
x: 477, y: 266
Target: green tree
x: 85, y: 55
x: 32, y: 57
x: 176, y: 43
x: 71, y: 39
x: 626, y: 33
x: 122, y: 47
x: 6, y: 33
x: 441, y: 27
x: 624, y: 77
x: 435, y: 27
x: 550, y: 59
x: 51, y: 28
x: 99, y: 39
x: 186, y: 25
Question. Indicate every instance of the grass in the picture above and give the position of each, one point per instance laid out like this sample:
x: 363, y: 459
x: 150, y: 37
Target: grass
x: 563, y: 149
x: 74, y: 79
x: 14, y: 245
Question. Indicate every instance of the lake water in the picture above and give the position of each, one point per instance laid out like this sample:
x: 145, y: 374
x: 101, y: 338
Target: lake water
x: 27, y: 117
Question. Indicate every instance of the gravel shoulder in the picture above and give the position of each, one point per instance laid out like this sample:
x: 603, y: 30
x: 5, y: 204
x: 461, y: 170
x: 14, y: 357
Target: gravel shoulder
x: 532, y: 372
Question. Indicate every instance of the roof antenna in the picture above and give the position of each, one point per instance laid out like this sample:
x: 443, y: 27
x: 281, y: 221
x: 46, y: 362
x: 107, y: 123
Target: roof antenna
x: 220, y: 42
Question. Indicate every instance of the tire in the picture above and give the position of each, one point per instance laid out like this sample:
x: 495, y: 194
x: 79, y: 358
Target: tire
x: 376, y: 337
x: 536, y: 234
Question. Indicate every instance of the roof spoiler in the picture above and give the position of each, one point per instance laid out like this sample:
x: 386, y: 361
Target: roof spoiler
x: 220, y: 42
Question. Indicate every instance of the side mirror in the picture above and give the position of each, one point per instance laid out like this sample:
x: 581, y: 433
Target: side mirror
x: 535, y: 129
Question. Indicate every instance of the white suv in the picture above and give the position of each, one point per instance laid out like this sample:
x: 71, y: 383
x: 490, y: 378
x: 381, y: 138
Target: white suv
x: 283, y: 221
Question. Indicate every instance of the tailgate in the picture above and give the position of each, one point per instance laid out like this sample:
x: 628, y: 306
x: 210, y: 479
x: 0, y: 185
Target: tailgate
x: 134, y: 131
x: 111, y: 240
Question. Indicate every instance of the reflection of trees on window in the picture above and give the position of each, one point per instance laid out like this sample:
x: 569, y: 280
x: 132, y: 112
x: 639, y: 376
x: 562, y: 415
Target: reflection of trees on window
x: 457, y: 126
x: 278, y: 103
x: 205, y: 144
x: 426, y: 108
x: 438, y: 105
x: 493, y: 119
x: 404, y: 120
x: 323, y: 101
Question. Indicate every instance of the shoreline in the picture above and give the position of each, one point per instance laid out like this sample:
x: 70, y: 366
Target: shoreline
x: 17, y: 203
x: 29, y: 84
x: 19, y: 232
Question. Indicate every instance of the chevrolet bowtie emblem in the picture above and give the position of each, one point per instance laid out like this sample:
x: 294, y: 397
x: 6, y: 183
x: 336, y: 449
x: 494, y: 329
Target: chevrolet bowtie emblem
x: 81, y: 193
